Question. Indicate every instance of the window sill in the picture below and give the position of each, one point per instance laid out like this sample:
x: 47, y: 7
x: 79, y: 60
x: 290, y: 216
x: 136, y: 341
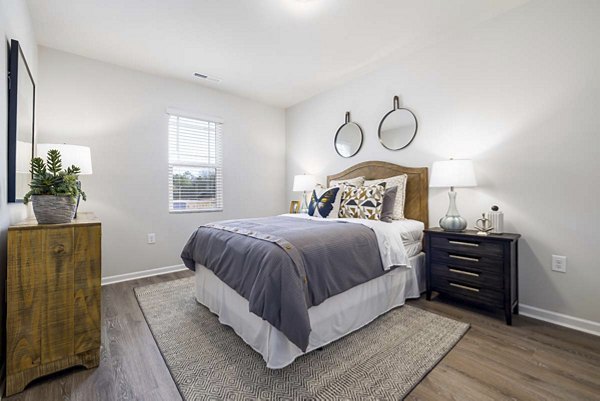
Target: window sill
x: 195, y: 211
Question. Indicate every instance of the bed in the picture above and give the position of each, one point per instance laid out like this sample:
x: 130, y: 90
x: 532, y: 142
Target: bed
x: 306, y: 303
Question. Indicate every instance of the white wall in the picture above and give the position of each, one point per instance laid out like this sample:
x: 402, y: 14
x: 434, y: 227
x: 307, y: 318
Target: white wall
x: 120, y: 114
x: 520, y: 95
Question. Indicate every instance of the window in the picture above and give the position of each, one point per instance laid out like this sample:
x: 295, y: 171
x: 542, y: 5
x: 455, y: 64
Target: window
x: 195, y: 165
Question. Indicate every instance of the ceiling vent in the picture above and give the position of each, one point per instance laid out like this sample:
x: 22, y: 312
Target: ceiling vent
x: 207, y: 77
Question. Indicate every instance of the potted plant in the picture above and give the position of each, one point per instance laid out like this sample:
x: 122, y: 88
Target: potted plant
x: 54, y: 191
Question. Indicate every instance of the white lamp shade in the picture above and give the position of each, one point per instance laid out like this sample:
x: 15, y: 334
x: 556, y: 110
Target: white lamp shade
x: 453, y: 173
x: 71, y: 155
x: 304, y: 182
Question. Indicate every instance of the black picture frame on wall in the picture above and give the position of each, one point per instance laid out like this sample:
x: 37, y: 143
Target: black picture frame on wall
x: 21, y: 122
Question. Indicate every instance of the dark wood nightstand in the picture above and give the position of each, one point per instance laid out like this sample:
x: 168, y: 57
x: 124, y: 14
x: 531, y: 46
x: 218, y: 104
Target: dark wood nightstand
x: 475, y: 268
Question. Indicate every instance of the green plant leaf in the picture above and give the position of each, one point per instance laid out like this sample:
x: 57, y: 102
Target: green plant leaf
x: 54, y: 161
x: 49, y: 178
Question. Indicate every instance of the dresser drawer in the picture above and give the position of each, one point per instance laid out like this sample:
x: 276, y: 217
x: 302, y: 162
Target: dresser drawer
x: 471, y: 246
x: 463, y: 290
x: 467, y: 260
x: 476, y: 277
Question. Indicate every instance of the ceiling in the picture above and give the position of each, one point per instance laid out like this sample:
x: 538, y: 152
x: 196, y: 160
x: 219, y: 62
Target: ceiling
x: 276, y: 51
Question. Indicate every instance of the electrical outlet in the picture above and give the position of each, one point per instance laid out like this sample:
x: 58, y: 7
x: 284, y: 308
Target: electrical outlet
x: 152, y: 238
x: 559, y: 263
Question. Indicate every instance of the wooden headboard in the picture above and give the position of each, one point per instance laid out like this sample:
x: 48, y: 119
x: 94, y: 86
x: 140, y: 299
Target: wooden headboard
x: 417, y: 188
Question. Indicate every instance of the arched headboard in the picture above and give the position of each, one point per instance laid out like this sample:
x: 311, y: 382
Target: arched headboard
x: 417, y: 187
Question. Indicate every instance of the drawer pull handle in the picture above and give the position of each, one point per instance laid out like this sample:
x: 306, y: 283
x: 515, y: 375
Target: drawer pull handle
x: 463, y: 258
x: 463, y: 243
x: 464, y: 287
x: 463, y: 272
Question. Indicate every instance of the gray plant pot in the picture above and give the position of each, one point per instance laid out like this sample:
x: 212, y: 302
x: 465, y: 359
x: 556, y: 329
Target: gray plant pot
x: 50, y: 209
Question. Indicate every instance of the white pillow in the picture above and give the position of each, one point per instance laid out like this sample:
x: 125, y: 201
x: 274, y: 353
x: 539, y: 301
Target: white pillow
x: 357, y: 182
x: 397, y: 181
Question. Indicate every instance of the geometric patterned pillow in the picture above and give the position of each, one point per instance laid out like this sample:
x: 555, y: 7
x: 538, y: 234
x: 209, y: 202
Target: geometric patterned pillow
x: 362, y: 202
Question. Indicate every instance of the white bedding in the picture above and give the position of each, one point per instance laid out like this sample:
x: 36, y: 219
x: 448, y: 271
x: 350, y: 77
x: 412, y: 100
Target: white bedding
x: 330, y: 320
x: 398, y: 240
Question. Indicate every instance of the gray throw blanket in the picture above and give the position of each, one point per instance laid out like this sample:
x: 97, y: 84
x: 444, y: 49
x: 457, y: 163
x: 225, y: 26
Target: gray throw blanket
x: 284, y: 265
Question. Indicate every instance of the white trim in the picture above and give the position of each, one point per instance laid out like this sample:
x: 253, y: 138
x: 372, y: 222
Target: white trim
x: 572, y: 322
x: 144, y: 273
x: 189, y: 114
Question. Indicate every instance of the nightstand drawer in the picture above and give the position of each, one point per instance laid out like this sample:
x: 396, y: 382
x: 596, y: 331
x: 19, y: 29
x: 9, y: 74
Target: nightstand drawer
x: 472, y: 246
x: 463, y: 290
x: 471, y: 276
x: 467, y: 259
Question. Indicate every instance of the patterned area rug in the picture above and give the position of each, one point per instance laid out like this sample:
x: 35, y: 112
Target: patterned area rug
x: 207, y: 360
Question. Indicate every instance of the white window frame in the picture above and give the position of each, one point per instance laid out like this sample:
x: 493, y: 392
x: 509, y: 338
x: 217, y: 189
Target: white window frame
x: 218, y: 165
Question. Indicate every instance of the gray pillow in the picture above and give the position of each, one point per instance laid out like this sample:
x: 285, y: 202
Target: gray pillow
x: 389, y: 200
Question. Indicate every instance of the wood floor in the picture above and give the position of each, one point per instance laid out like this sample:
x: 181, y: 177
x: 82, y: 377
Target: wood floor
x: 531, y: 360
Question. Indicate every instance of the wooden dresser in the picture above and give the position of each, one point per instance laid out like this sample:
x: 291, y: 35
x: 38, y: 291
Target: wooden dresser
x: 475, y: 268
x: 52, y: 298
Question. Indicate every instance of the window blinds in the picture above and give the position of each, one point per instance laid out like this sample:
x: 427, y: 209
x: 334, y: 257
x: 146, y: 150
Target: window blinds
x: 195, y: 165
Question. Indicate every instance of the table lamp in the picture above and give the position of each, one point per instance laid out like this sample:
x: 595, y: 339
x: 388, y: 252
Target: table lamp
x: 71, y: 155
x: 303, y: 183
x: 453, y: 173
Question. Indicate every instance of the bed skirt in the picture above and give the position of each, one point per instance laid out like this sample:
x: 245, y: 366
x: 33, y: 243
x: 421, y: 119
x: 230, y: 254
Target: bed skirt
x: 330, y: 320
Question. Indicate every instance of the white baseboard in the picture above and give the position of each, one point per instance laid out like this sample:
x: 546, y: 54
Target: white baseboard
x: 144, y: 273
x: 587, y: 326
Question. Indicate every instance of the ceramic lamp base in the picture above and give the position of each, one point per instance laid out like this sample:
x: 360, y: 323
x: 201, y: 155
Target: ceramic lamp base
x: 452, y: 221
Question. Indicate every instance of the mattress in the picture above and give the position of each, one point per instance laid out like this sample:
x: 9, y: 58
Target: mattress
x: 330, y: 320
x: 412, y: 235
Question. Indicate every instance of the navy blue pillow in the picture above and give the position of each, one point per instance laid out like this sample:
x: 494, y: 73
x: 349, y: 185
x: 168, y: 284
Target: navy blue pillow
x: 321, y: 206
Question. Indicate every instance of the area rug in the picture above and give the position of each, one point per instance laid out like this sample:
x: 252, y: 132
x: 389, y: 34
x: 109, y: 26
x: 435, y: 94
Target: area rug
x: 208, y: 361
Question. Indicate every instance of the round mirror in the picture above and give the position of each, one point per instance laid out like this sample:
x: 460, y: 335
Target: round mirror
x: 398, y: 128
x: 348, y: 138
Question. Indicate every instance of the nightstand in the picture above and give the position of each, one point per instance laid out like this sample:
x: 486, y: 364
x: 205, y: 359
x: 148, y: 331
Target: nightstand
x: 474, y: 268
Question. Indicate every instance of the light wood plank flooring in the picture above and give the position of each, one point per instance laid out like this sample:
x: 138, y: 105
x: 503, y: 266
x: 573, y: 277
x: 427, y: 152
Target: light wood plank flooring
x: 531, y: 360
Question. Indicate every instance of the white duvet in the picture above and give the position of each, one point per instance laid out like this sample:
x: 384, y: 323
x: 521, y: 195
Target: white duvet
x: 393, y: 238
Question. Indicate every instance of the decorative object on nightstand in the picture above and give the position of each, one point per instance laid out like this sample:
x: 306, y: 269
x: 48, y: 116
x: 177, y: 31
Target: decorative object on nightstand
x: 303, y: 183
x: 483, y: 225
x: 479, y: 269
x: 294, y: 207
x: 497, y: 219
x: 453, y: 173
x: 72, y: 155
x: 53, y: 298
x: 54, y: 191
